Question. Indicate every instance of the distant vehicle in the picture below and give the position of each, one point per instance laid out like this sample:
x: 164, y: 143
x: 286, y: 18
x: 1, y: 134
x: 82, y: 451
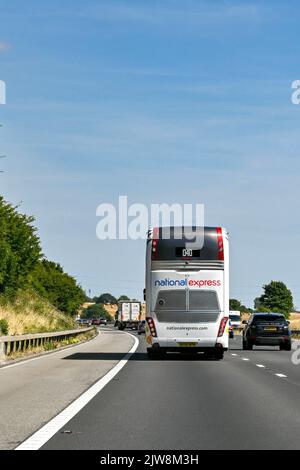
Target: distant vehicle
x: 129, y: 314
x: 235, y: 318
x: 267, y: 329
x: 187, y: 291
x: 84, y: 322
x: 231, y: 333
x: 141, y: 327
x: 99, y: 321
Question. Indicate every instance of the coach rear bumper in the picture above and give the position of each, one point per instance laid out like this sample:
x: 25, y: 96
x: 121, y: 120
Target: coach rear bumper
x: 190, y: 344
x: 187, y: 349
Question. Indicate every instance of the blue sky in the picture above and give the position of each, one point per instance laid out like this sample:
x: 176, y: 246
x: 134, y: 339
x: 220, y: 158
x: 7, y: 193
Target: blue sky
x: 163, y: 101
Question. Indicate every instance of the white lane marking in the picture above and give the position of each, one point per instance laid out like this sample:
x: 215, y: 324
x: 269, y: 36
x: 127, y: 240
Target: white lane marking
x: 281, y: 375
x: 260, y: 365
x: 245, y: 359
x: 233, y: 354
x: 51, y: 353
x: 39, y: 438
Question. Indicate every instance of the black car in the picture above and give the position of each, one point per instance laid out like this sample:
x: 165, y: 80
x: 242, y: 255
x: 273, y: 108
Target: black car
x: 267, y: 329
x: 141, y: 327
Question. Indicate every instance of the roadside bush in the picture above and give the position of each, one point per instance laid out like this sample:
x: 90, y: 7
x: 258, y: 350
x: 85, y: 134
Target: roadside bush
x: 19, y: 248
x: 30, y: 313
x: 3, y: 327
x: 59, y: 288
x: 28, y: 280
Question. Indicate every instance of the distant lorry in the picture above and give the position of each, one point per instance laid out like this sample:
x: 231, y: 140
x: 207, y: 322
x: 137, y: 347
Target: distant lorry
x: 235, y: 318
x: 128, y: 315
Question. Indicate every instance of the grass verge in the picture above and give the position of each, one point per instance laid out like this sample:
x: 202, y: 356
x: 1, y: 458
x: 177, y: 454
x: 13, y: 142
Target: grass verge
x: 30, y: 313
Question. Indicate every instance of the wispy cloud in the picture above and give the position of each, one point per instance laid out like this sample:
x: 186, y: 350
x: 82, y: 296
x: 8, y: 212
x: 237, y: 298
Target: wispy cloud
x: 4, y: 46
x: 145, y: 72
x: 172, y: 12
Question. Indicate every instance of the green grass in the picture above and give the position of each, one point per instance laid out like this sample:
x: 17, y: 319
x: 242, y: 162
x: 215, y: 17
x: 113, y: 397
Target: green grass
x: 27, y: 312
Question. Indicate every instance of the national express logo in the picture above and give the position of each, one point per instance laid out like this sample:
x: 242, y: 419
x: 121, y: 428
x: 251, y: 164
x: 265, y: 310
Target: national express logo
x: 187, y: 282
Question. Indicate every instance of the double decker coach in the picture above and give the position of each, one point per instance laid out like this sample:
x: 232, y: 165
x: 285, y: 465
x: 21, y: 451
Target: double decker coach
x: 187, y: 290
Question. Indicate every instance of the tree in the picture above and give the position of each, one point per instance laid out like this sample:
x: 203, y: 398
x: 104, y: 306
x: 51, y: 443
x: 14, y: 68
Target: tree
x: 123, y: 297
x: 257, y: 304
x: 21, y: 266
x: 235, y: 304
x: 20, y: 248
x: 106, y: 298
x: 95, y: 311
x: 59, y: 288
x: 276, y: 298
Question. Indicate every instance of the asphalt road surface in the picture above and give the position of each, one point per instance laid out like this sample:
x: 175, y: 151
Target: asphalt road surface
x: 34, y: 391
x: 184, y: 402
x: 250, y: 400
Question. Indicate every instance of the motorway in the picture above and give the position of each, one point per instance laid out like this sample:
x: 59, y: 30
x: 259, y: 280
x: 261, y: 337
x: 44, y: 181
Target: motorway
x: 250, y: 400
x: 34, y: 391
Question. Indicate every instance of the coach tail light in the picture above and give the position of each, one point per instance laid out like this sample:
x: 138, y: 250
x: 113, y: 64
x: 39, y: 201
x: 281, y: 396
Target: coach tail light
x: 220, y: 244
x: 222, y: 326
x: 154, y: 243
x: 151, y: 327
